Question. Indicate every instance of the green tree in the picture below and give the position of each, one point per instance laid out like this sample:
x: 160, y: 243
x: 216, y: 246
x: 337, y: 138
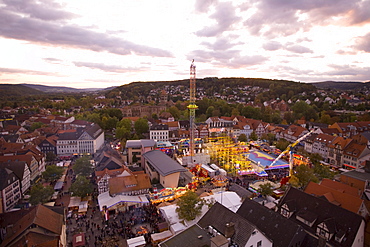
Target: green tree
x: 266, y: 189
x: 322, y: 172
x: 175, y: 112
x: 304, y: 174
x: 81, y: 187
x: 83, y: 166
x: 282, y: 144
x: 35, y: 126
x: 125, y: 123
x: 209, y: 111
x: 40, y: 194
x: 50, y: 156
x: 253, y: 136
x: 189, y: 206
x: 141, y: 126
x: 242, y: 138
x: 122, y: 132
x: 52, y: 173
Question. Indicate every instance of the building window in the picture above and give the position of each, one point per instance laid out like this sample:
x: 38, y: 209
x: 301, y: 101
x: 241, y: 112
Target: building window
x: 259, y: 243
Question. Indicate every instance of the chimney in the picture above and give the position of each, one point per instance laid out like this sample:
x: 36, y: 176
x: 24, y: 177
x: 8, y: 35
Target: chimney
x: 230, y: 230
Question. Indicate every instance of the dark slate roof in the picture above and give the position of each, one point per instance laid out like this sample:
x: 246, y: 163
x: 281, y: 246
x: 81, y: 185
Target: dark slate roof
x: 70, y: 135
x: 94, y: 131
x: 11, y: 138
x: 16, y: 166
x: 148, y: 142
x: 140, y: 143
x: 162, y: 163
x: 337, y: 219
x: 366, y: 135
x: 6, y: 175
x: 188, y: 237
x: 242, y: 192
x: 279, y: 229
x: 159, y: 127
x: 243, y: 228
x: 133, y: 144
x: 357, y: 174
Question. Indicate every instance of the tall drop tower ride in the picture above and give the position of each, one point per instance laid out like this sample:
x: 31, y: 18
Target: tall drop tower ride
x: 192, y: 107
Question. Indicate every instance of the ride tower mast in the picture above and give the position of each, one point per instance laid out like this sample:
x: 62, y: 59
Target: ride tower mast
x: 192, y: 107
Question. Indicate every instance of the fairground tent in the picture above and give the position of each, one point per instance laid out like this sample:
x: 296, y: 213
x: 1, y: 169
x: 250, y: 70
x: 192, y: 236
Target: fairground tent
x: 105, y: 199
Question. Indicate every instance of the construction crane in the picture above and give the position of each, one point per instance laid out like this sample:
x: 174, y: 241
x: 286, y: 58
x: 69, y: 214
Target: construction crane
x: 192, y: 107
x: 289, y: 149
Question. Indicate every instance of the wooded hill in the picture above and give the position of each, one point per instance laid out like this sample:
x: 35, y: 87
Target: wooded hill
x: 211, y: 86
x: 342, y: 85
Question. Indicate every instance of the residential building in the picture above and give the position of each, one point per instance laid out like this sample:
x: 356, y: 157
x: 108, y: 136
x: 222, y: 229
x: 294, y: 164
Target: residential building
x: 103, y: 177
x: 10, y: 189
x: 213, y: 230
x: 62, y: 122
x: 351, y: 129
x: 354, y: 155
x: 35, y: 226
x: 137, y: 183
x: 336, y: 149
x: 159, y: 132
x: 80, y: 142
x: 30, y: 161
x: 48, y: 144
x: 339, y: 194
x: 328, y: 223
x: 279, y: 230
x: 292, y: 133
x: 22, y: 172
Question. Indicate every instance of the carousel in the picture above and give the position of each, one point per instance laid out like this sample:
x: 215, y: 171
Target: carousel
x: 220, y: 181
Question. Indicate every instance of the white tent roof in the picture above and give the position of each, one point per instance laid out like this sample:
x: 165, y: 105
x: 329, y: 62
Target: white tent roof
x: 74, y: 201
x: 105, y: 199
x: 161, y: 235
x: 138, y: 241
x: 229, y: 199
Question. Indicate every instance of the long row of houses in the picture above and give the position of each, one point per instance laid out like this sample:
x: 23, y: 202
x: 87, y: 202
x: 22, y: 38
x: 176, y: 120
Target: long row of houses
x: 342, y: 145
x: 23, y: 153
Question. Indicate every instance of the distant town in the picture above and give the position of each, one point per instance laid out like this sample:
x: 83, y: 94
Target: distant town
x: 283, y: 163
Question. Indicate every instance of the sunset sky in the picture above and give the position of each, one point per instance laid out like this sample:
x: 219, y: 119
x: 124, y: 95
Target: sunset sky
x: 98, y: 44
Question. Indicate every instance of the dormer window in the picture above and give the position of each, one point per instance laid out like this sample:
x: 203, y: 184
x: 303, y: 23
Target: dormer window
x: 339, y: 236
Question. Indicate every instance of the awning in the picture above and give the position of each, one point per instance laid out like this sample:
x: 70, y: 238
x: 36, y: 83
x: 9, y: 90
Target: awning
x: 134, y: 242
x: 349, y: 166
x: 79, y: 240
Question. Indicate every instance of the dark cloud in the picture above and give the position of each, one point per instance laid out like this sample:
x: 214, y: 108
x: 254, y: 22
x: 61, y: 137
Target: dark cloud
x: 338, y: 72
x: 225, y: 17
x: 348, y: 70
x: 363, y: 43
x: 275, y: 18
x: 23, y: 27
x: 44, y: 10
x: 107, y: 68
